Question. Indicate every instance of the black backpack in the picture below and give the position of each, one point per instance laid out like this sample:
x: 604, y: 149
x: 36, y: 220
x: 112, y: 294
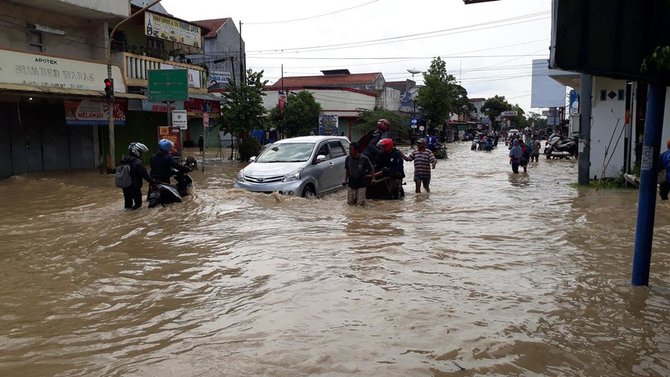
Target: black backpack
x: 122, y: 176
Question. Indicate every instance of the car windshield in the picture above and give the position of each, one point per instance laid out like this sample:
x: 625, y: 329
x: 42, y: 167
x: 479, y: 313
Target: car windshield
x: 286, y: 152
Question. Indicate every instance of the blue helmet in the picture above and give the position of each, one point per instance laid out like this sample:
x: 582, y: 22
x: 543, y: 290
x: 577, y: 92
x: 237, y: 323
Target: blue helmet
x: 137, y: 149
x: 165, y: 145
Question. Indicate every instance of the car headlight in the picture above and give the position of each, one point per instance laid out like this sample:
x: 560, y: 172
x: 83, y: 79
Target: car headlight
x: 292, y: 176
x: 240, y: 176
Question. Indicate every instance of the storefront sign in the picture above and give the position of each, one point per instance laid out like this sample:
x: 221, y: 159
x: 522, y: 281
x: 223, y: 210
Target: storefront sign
x: 93, y: 113
x: 328, y: 124
x: 218, y: 79
x: 171, y: 133
x: 199, y: 106
x: 169, y: 29
x: 44, y: 70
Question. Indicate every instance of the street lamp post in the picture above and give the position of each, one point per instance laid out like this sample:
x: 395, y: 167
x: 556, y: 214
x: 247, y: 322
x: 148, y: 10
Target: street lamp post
x: 112, y: 152
x: 413, y: 71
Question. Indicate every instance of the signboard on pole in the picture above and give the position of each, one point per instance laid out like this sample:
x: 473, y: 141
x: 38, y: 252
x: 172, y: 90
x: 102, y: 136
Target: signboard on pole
x: 168, y: 85
x: 509, y: 113
x: 328, y: 124
x: 171, y: 133
x: 205, y: 120
x: 179, y: 119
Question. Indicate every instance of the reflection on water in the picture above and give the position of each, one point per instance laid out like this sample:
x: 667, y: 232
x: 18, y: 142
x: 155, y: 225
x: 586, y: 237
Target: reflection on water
x: 491, y: 273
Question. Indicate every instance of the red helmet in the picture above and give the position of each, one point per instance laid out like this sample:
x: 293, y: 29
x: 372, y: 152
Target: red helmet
x: 383, y: 124
x: 386, y: 145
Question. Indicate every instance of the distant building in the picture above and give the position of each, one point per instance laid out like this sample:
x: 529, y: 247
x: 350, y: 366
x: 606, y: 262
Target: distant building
x: 341, y: 94
x: 221, y: 55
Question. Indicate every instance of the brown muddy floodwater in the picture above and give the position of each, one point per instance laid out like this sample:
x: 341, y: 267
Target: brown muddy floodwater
x: 489, y: 274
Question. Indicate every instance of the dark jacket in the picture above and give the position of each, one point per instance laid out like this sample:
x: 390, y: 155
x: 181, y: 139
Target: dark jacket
x: 137, y: 171
x: 371, y: 150
x: 162, y: 165
x: 391, y: 164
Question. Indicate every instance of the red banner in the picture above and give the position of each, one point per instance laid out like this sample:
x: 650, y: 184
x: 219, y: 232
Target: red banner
x: 171, y: 133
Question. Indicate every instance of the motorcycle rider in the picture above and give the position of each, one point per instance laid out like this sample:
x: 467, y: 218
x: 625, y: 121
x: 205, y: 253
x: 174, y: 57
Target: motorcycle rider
x: 163, y: 163
x: 389, y: 164
x: 132, y: 195
x: 371, y: 149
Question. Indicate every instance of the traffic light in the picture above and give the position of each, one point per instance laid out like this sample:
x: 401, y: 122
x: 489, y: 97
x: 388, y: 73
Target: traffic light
x: 109, y: 89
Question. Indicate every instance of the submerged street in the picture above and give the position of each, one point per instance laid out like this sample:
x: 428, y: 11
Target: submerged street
x: 491, y: 273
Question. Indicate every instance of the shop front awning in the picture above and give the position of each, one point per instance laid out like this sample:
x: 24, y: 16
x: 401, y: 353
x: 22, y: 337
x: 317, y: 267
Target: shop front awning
x: 34, y: 89
x: 207, y: 97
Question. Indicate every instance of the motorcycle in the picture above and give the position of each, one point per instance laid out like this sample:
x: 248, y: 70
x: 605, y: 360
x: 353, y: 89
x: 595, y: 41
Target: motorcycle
x: 439, y: 151
x: 385, y: 188
x: 163, y: 193
x: 557, y: 147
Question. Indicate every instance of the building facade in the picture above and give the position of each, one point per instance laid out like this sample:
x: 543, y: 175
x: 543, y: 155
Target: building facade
x: 54, y: 58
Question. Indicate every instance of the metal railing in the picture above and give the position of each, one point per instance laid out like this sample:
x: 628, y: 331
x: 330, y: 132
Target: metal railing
x: 136, y: 69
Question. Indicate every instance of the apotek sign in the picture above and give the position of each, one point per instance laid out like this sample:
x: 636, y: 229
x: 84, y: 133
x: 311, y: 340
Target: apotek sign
x: 44, y: 70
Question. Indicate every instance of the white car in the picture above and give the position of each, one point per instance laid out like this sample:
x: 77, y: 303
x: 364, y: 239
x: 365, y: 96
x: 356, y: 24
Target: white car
x: 300, y: 166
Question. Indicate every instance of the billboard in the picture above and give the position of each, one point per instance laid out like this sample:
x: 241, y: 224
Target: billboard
x: 545, y: 91
x: 170, y: 29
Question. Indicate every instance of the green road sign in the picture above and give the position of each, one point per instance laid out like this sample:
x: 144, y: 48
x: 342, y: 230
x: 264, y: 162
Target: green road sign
x: 168, y: 85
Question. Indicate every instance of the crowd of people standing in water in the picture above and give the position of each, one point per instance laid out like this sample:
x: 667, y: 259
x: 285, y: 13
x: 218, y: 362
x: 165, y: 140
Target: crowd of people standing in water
x: 369, y: 162
x: 521, y: 152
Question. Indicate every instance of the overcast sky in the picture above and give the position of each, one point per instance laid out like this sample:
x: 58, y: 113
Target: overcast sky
x: 488, y: 47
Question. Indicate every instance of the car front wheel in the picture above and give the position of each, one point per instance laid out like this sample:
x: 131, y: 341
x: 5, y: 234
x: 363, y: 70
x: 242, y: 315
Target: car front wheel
x: 309, y: 192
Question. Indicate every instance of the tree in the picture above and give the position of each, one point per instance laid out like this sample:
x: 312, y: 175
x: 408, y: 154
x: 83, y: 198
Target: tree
x: 243, y: 109
x: 493, y: 107
x: 441, y: 95
x: 536, y: 120
x: 367, y: 120
x: 300, y: 116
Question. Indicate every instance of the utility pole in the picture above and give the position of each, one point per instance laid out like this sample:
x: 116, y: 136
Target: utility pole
x: 111, y: 162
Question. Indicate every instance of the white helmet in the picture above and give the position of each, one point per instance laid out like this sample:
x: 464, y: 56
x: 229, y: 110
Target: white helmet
x: 137, y: 149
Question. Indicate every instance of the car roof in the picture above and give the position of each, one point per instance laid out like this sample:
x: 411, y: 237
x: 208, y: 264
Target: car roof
x: 310, y: 139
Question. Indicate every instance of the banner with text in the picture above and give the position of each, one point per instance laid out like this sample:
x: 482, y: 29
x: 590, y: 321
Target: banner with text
x: 169, y: 29
x: 93, y: 113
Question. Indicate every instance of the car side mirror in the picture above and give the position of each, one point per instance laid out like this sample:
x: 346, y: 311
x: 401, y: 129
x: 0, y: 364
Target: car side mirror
x: 252, y: 159
x: 320, y: 158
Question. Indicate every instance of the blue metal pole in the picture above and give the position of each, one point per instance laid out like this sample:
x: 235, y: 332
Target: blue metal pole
x: 646, y: 208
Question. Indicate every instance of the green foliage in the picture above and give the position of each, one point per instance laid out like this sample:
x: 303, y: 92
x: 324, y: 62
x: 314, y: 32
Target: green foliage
x: 248, y: 148
x: 441, y: 95
x: 658, y: 62
x: 536, y: 120
x: 243, y: 108
x: 301, y: 115
x: 493, y: 107
x: 367, y: 120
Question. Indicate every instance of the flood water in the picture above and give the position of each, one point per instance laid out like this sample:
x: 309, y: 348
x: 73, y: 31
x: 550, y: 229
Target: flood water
x: 490, y: 274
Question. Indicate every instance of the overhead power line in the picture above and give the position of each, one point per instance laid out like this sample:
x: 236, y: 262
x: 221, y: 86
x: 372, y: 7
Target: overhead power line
x: 311, y: 17
x: 408, y: 37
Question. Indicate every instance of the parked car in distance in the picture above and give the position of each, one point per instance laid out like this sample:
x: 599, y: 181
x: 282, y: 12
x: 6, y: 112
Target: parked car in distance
x: 300, y: 166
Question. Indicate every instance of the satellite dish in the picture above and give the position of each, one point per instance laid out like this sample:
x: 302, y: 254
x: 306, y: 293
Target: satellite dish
x: 413, y: 71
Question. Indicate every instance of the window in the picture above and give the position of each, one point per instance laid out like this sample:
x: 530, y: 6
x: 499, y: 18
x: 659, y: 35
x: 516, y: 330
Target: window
x: 35, y: 41
x: 336, y: 149
x: 323, y: 151
x: 156, y: 48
